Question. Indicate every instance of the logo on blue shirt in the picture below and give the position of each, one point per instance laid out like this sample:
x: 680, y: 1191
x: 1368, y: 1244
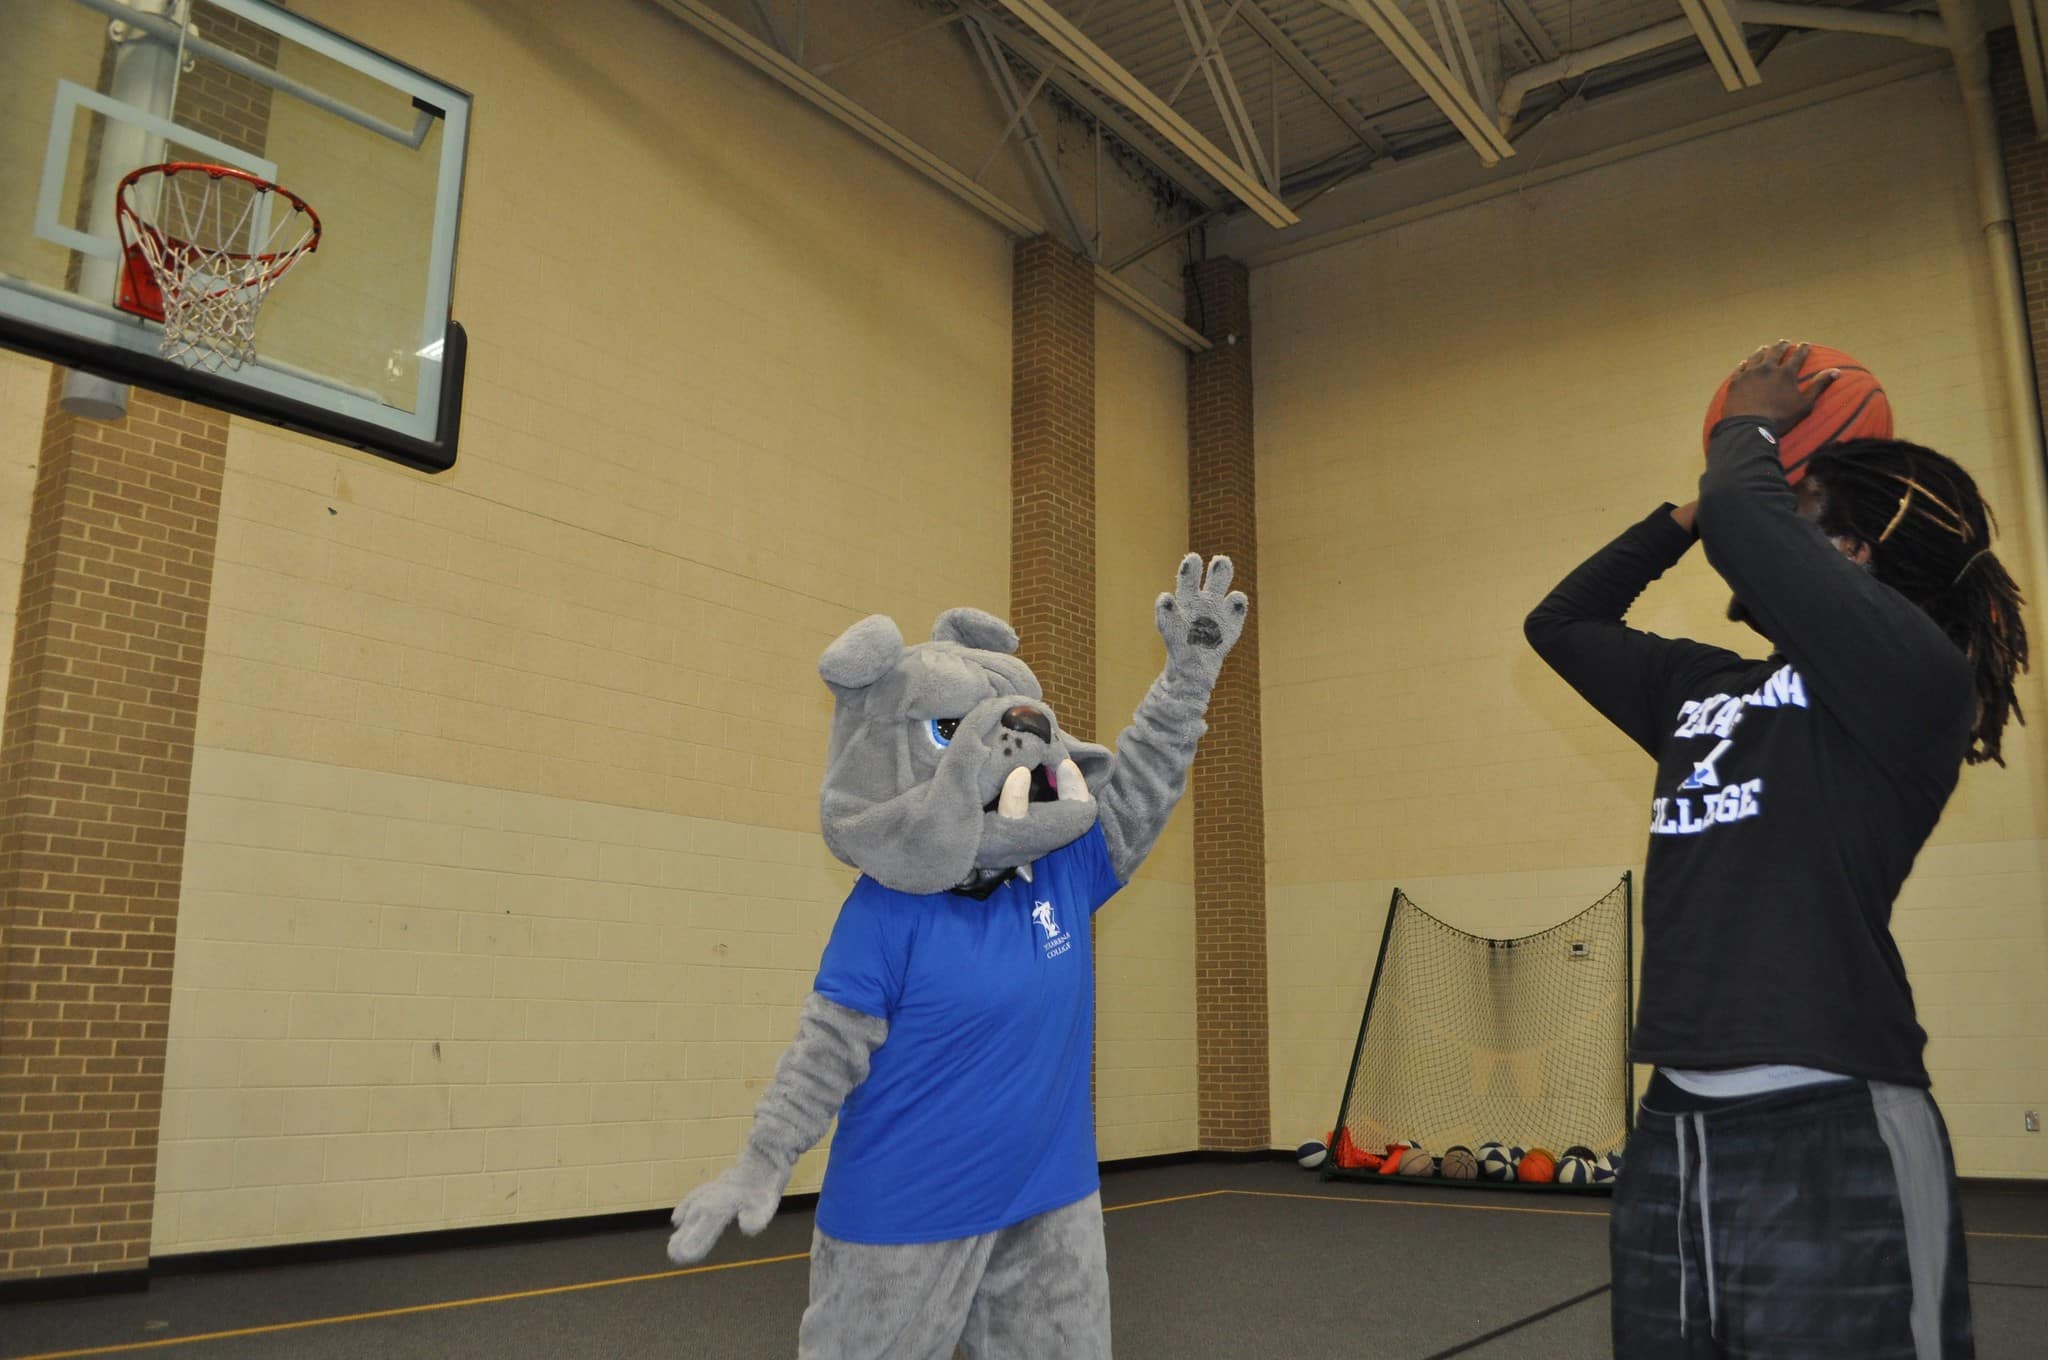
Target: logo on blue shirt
x: 1057, y: 941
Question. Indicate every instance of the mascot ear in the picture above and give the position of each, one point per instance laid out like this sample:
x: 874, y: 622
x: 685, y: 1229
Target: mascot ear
x: 973, y: 628
x: 863, y: 653
x: 1096, y: 762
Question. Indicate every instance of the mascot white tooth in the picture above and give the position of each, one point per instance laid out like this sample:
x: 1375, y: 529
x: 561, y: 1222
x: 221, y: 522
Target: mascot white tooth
x: 953, y: 1019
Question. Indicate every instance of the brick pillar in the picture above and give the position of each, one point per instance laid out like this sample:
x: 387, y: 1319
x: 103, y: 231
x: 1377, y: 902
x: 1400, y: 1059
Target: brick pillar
x: 95, y: 778
x: 1229, y: 797
x: 1052, y: 474
x: 95, y: 772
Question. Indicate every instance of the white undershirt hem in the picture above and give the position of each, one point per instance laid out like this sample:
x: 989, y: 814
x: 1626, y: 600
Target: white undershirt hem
x: 1730, y: 1083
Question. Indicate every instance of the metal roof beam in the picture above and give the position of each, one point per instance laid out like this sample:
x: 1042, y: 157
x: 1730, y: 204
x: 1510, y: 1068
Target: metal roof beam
x: 1429, y: 70
x: 1312, y: 76
x: 1532, y: 28
x: 1096, y: 66
x: 1017, y: 104
x: 1127, y: 129
x: 1450, y: 20
x: 1207, y: 41
x: 758, y: 54
x: 1720, y: 33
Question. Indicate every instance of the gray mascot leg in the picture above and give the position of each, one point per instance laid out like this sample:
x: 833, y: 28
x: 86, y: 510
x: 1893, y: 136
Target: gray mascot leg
x: 1036, y: 1290
x: 1045, y: 1291
x: 909, y: 1302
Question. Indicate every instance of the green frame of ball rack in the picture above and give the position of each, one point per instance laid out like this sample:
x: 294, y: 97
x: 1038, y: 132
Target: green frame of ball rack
x: 1332, y: 1172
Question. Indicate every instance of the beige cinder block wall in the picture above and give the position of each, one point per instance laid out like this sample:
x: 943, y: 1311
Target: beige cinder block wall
x: 1145, y: 939
x: 24, y: 392
x: 1457, y: 410
x: 504, y: 880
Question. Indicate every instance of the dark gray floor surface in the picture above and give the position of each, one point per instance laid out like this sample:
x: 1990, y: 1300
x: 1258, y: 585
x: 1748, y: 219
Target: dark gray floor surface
x: 1240, y: 1261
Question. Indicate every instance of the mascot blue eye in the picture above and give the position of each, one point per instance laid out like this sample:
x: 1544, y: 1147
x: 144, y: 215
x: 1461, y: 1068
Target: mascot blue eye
x: 942, y: 730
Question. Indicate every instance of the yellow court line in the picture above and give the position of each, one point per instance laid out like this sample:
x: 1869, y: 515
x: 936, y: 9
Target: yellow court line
x: 127, y: 1347
x: 1170, y: 1199
x: 1420, y: 1203
x: 1506, y: 1208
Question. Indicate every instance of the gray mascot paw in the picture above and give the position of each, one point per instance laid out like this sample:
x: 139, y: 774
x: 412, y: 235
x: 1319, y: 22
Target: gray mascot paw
x: 748, y: 1192
x: 1201, y: 620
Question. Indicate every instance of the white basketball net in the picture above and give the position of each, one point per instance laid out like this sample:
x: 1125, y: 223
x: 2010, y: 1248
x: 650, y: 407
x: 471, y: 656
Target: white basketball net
x: 215, y: 254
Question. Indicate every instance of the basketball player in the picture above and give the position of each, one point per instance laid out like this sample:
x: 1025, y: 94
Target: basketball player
x: 1789, y: 1189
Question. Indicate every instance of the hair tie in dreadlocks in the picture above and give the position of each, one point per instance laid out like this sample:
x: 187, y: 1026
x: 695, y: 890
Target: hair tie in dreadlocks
x: 1928, y: 505
x: 1981, y: 552
x: 1905, y: 500
x: 1960, y: 525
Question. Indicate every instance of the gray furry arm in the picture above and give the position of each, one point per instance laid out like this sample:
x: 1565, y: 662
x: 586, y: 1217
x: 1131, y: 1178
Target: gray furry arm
x: 819, y: 1069
x: 1153, y: 756
x: 828, y: 1058
x: 1200, y: 621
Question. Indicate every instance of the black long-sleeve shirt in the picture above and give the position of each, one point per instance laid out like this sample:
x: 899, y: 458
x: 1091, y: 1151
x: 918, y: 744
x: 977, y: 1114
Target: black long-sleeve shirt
x: 1792, y: 794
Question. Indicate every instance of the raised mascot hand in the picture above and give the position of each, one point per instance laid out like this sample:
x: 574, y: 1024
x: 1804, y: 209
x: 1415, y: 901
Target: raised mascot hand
x: 1201, y: 620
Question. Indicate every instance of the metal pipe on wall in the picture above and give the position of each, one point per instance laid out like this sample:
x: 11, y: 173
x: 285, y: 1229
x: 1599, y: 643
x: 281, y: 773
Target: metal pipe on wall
x: 1994, y: 208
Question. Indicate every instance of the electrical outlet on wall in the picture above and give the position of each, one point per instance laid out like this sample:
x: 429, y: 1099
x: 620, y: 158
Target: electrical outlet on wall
x: 2033, y: 1121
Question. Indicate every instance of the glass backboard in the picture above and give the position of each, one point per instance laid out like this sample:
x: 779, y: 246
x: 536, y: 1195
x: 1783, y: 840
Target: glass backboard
x: 355, y: 343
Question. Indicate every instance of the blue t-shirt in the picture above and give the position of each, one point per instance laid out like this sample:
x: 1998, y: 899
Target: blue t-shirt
x: 976, y: 1111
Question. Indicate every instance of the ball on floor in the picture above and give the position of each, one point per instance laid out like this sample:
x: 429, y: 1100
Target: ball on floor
x: 1497, y: 1161
x: 1459, y: 1164
x: 1312, y: 1154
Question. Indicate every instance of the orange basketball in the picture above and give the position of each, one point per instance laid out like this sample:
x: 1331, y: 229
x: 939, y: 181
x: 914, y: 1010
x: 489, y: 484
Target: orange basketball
x: 1853, y: 407
x: 1537, y: 1165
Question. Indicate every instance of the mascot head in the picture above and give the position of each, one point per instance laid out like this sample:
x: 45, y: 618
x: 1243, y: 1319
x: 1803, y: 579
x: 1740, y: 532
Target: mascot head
x: 946, y: 767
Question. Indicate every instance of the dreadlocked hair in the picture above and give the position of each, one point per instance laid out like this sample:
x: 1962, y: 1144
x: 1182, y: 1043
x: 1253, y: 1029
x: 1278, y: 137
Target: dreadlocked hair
x: 1929, y: 534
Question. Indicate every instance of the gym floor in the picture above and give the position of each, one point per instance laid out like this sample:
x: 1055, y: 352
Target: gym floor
x: 1205, y: 1260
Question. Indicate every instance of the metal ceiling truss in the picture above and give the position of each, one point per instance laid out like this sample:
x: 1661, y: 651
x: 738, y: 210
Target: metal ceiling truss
x: 826, y: 68
x: 1105, y: 74
x: 699, y: 14
x: 1720, y: 34
x: 1039, y: 57
x: 1446, y: 88
x: 1045, y: 162
x: 763, y: 56
x: 1531, y: 27
x: 1311, y: 75
x: 793, y: 50
x: 1207, y: 40
x: 1922, y: 29
x: 1031, y: 36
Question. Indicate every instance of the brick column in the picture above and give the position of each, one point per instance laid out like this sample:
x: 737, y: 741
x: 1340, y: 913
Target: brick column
x: 1229, y: 797
x: 95, y: 778
x: 1052, y: 474
x: 95, y: 772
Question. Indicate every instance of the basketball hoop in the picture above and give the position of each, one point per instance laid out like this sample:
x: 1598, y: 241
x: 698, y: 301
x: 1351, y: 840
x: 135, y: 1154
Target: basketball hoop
x: 205, y: 258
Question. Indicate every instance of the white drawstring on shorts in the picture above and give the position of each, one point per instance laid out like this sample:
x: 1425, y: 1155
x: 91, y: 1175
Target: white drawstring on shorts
x: 1699, y: 1133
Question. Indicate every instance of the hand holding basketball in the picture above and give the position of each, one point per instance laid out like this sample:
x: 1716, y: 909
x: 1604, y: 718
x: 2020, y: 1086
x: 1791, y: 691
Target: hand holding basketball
x: 1766, y: 384
x: 1832, y: 398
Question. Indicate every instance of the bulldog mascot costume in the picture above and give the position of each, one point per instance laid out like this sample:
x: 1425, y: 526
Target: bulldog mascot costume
x: 953, y: 1018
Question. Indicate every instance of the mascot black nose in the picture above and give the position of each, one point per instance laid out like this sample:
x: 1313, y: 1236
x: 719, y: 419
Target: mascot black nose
x: 1030, y: 720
